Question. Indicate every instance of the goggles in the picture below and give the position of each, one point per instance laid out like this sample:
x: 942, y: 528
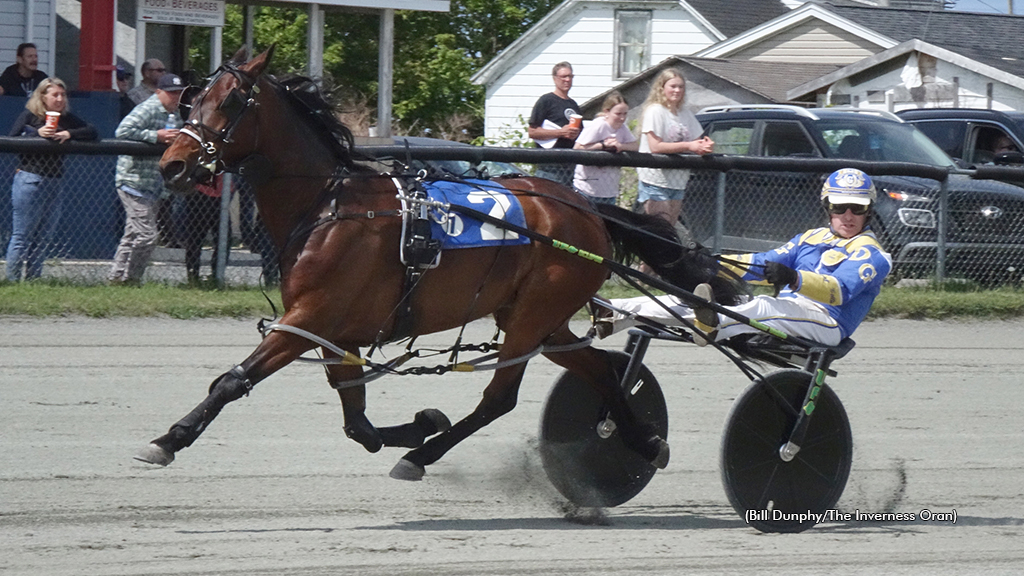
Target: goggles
x: 857, y: 209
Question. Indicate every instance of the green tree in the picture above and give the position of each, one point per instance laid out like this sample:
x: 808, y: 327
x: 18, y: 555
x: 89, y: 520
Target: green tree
x: 436, y: 54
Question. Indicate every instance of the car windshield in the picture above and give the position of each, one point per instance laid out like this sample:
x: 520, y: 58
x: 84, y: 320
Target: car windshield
x: 881, y: 142
x: 1018, y: 119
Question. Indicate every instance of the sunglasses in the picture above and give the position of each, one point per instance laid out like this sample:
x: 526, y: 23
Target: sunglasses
x: 857, y: 209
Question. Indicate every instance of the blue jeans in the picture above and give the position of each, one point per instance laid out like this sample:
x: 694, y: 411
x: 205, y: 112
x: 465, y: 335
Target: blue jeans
x: 652, y: 192
x: 36, y: 205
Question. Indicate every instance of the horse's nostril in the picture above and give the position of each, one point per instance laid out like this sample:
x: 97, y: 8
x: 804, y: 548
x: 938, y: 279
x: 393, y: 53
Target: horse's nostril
x: 172, y: 171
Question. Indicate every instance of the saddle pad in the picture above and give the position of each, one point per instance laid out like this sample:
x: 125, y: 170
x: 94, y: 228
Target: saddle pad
x: 458, y: 231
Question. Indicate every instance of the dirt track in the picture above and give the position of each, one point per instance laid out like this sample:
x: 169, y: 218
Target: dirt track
x: 274, y: 487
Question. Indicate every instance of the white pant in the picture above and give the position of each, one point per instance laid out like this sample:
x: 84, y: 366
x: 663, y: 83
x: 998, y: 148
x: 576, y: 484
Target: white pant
x: 799, y: 316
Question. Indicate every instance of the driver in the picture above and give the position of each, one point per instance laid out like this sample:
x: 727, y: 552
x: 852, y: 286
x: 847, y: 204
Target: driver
x: 829, y: 277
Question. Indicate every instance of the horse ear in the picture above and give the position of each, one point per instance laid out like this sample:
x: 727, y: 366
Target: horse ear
x: 257, y: 65
x: 241, y: 56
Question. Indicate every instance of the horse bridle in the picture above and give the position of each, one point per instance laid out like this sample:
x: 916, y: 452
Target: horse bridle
x: 233, y: 107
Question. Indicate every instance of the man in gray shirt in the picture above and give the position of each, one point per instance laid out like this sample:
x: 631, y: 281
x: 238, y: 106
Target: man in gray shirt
x: 152, y: 70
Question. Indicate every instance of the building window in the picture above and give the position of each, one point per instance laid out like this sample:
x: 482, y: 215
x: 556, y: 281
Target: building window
x: 632, y: 41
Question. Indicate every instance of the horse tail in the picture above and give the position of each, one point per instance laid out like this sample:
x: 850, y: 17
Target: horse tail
x: 654, y: 241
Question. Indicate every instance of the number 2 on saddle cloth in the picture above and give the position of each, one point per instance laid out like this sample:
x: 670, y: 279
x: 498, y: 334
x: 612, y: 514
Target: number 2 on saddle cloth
x: 427, y: 230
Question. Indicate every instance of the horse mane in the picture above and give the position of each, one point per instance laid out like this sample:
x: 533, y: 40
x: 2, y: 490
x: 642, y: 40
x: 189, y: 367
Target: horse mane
x: 319, y: 114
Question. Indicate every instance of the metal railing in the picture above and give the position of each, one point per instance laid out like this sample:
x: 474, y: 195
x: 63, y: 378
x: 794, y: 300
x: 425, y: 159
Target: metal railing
x: 949, y: 222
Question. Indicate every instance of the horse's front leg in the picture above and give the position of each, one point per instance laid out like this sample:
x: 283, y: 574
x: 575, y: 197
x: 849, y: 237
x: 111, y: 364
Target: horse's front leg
x: 275, y: 351
x: 358, y: 427
x: 499, y: 398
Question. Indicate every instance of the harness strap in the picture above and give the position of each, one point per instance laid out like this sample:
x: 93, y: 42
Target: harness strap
x: 418, y: 250
x: 348, y: 359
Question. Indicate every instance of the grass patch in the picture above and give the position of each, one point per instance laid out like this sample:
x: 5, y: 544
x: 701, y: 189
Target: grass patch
x: 55, y: 298
x: 44, y: 298
x: 949, y: 301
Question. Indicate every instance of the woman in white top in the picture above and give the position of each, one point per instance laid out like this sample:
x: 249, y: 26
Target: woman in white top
x: 668, y: 129
x: 606, y: 132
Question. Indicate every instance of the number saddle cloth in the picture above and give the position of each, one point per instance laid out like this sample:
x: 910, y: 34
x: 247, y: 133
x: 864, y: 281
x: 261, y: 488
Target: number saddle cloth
x: 454, y: 230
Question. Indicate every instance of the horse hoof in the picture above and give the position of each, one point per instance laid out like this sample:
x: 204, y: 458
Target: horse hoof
x: 154, y: 454
x: 660, y: 461
x: 432, y: 421
x: 406, y: 470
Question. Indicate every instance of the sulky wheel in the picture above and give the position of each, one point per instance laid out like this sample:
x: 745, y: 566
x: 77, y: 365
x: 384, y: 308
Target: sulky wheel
x: 756, y: 478
x: 592, y: 467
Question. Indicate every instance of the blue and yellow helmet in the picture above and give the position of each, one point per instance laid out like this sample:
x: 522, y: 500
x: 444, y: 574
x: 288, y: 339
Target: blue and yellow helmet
x: 848, y: 186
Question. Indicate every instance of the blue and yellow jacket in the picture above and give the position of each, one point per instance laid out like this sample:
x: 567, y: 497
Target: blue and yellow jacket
x: 843, y: 274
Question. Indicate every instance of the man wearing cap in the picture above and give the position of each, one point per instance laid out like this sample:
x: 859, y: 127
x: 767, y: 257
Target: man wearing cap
x: 138, y: 180
x: 124, y: 83
x: 829, y: 277
x: 22, y: 77
x: 152, y: 71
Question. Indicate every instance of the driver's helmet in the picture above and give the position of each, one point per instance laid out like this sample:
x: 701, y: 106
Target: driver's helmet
x: 848, y: 186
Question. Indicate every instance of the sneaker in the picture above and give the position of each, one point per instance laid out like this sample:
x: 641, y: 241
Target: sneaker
x: 706, y: 319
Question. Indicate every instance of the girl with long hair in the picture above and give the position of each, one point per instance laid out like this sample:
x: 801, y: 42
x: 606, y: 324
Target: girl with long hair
x: 35, y: 193
x: 606, y: 132
x: 668, y: 128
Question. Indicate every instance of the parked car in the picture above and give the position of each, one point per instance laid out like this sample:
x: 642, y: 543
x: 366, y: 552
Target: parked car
x: 972, y: 135
x: 456, y: 168
x: 985, y: 239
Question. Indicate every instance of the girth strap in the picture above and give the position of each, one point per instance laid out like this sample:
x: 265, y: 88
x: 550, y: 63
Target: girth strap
x: 419, y: 250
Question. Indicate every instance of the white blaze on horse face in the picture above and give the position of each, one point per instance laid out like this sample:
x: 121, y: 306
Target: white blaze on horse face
x: 501, y: 207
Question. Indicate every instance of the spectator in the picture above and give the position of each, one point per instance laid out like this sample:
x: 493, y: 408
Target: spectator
x: 550, y: 125
x: 606, y: 132
x: 35, y: 193
x: 124, y: 84
x: 255, y: 235
x: 138, y: 180
x: 1003, y: 143
x: 22, y: 77
x: 667, y: 128
x: 197, y: 216
x: 152, y: 71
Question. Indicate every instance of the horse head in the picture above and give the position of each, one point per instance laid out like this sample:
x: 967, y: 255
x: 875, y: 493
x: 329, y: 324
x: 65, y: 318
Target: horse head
x: 220, y: 126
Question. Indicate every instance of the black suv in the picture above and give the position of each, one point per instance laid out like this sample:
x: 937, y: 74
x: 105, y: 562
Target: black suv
x: 985, y: 238
x: 971, y: 135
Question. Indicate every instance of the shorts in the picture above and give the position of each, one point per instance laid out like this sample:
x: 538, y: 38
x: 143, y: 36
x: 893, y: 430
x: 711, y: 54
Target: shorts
x: 652, y: 192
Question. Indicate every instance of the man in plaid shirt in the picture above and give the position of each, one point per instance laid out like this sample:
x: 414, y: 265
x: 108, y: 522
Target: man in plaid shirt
x: 138, y: 180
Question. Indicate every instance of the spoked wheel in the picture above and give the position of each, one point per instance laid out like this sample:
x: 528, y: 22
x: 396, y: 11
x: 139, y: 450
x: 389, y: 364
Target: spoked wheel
x: 756, y: 478
x: 583, y: 456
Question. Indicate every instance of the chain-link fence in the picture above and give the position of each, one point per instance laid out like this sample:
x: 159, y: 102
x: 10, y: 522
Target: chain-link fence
x: 73, y: 221
x: 933, y: 222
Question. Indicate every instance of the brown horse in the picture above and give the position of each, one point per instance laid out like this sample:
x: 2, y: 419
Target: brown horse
x: 338, y: 231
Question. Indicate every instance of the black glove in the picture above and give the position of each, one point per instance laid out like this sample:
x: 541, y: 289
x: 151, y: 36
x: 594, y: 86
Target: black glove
x: 780, y: 275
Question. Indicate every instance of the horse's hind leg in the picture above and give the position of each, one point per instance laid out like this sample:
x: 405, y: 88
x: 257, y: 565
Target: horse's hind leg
x: 425, y: 423
x: 499, y: 398
x: 274, y: 352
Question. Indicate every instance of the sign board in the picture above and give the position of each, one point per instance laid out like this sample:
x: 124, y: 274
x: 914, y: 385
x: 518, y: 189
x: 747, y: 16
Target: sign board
x: 422, y: 5
x: 188, y: 12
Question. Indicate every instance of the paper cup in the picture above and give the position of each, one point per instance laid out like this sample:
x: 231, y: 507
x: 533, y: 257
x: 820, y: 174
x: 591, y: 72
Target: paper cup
x: 51, y: 119
x: 576, y: 121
